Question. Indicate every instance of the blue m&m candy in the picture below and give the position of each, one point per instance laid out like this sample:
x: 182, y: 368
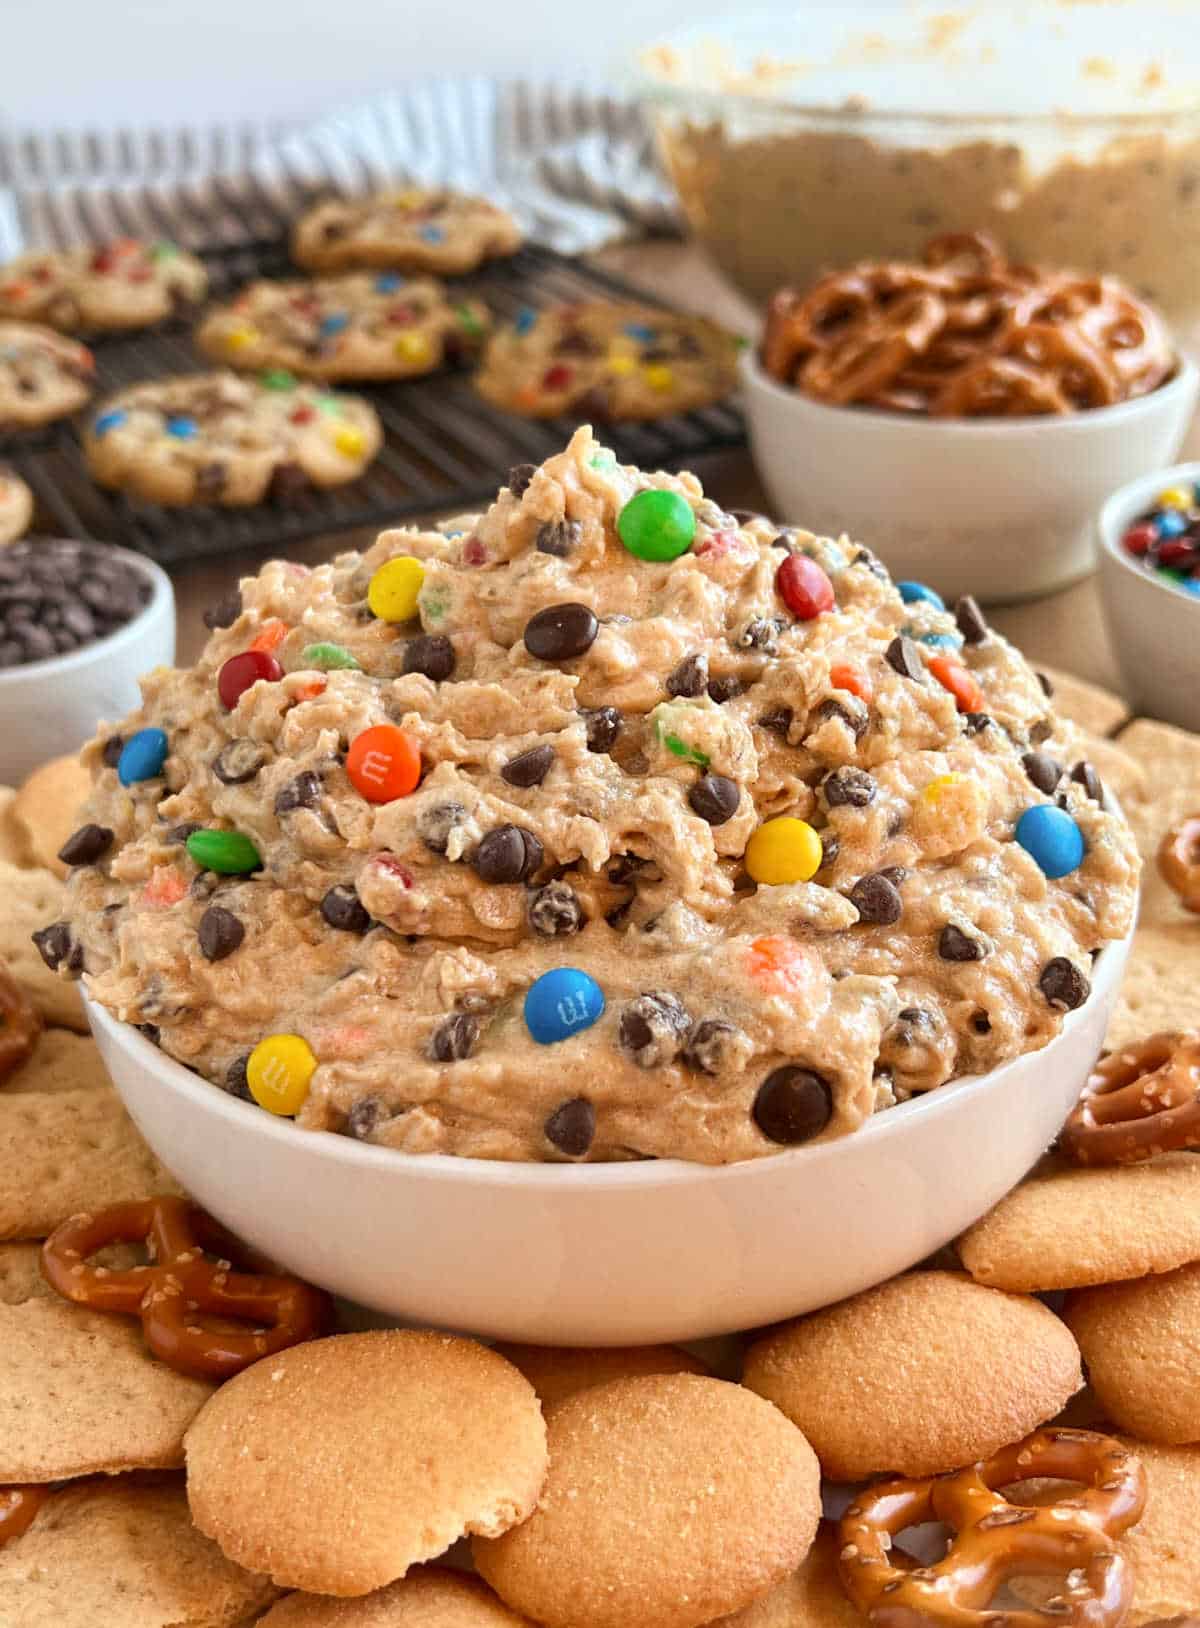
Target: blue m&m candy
x: 913, y: 593
x: 388, y: 282
x: 561, y: 1003
x: 940, y: 641
x: 142, y: 756
x: 334, y: 323
x: 640, y: 330
x: 182, y: 427
x: 1170, y: 523
x: 432, y: 234
x: 1051, y: 838
x: 109, y: 421
x: 525, y: 319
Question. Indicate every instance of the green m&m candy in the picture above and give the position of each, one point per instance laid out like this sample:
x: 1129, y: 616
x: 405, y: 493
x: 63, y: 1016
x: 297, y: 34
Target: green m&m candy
x: 228, y: 852
x: 656, y: 525
x: 277, y: 378
x: 327, y: 658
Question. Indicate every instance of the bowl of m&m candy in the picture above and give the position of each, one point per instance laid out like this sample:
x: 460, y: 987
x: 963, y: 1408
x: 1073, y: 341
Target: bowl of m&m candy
x: 1150, y: 587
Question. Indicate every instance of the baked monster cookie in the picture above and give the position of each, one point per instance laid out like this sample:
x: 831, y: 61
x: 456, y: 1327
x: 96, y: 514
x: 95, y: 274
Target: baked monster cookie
x: 411, y: 229
x: 43, y: 376
x: 600, y: 825
x: 125, y: 284
x: 366, y: 325
x: 220, y: 438
x: 16, y: 506
x: 607, y: 361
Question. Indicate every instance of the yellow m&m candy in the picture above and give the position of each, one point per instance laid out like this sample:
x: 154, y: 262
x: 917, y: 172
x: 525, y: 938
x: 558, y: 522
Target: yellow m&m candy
x: 239, y: 338
x: 658, y: 376
x: 279, y: 1072
x: 412, y: 348
x: 941, y: 789
x: 784, y: 850
x: 394, y: 590
x: 1176, y: 497
x: 350, y: 441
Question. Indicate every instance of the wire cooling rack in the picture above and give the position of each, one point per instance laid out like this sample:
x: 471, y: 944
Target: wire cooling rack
x: 445, y: 448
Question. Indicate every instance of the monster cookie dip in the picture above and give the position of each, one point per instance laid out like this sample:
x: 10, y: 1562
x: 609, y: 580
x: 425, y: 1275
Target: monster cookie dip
x: 604, y: 825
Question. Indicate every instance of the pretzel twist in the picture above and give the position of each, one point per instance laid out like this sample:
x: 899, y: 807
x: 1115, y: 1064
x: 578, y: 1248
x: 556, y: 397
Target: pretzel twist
x: 1138, y: 1101
x: 20, y: 1025
x: 1179, y: 861
x: 18, y: 1510
x: 185, y: 1300
x: 995, y: 1540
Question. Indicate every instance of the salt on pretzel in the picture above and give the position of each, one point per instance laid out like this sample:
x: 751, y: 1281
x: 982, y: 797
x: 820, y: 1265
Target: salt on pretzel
x: 1138, y: 1101
x: 1179, y: 861
x: 994, y: 1540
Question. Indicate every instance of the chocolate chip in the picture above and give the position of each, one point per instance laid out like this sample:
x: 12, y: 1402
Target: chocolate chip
x: 519, y: 477
x: 715, y: 798
x: 848, y: 788
x: 760, y: 633
x: 690, y: 677
x: 904, y: 658
x: 603, y: 726
x: 364, y: 1118
x: 652, y: 1027
x: 528, y: 768
x: 436, y: 821
x: 1043, y: 680
x: 561, y: 632
x: 1063, y: 984
x: 1041, y: 731
x: 510, y: 853
x: 220, y: 932
x: 302, y: 792
x: 969, y: 620
x: 571, y: 1128
x: 555, y: 911
x: 974, y: 723
x: 955, y: 945
x: 877, y: 900
x: 872, y: 563
x: 558, y: 537
x: 110, y: 752
x: 1084, y: 774
x: 431, y: 654
x: 793, y: 1105
x: 1042, y: 770
x: 981, y: 1023
x: 724, y: 689
x: 225, y: 612
x: 712, y: 1044
x: 830, y: 849
x: 779, y: 720
x: 454, y: 1038
x: 238, y: 762
x: 236, y: 1082
x: 848, y: 710
x: 178, y: 834
x: 343, y: 910
x: 785, y: 541
x: 86, y: 845
x: 57, y: 948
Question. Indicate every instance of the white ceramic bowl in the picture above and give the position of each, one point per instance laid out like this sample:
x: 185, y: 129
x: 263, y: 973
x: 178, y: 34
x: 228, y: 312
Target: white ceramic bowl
x: 1000, y: 508
x: 1154, y: 626
x: 619, y: 1253
x: 49, y: 708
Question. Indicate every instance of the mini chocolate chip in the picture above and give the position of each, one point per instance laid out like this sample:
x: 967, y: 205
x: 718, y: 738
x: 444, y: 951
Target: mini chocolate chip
x: 110, y: 752
x: 715, y: 798
x: 510, y: 853
x: 724, y: 689
x: 220, y: 932
x: 178, y: 834
x: 761, y: 633
x: 981, y: 1023
x: 1042, y: 770
x: 454, y: 1038
x: 955, y: 945
x: 435, y: 823
x: 623, y: 867
x: 969, y: 619
x: 690, y: 677
x: 1043, y: 680
x: 848, y: 788
x: 904, y: 658
x: 1084, y: 774
x: 897, y: 875
x: 561, y: 632
x: 793, y: 1105
x: 1063, y: 984
x: 302, y: 792
x: 830, y: 849
x: 238, y: 762
x: 1041, y: 731
x: 877, y: 900
x: 343, y: 910
x: 210, y: 482
x: 603, y: 726
x: 848, y: 710
x: 745, y: 517
x: 711, y: 1044
x: 57, y: 948
x: 431, y: 654
x: 225, y: 612
x: 528, y: 768
x: 652, y: 1027
x: 974, y: 723
x: 236, y: 1082
x: 779, y: 720
x: 873, y: 564
x: 558, y: 537
x: 519, y: 477
x: 785, y: 541
x: 86, y: 845
x: 364, y: 1118
x: 571, y: 1128
x: 555, y: 911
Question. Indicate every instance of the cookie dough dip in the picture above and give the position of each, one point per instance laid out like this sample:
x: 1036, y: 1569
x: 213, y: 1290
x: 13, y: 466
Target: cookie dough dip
x: 858, y: 134
x: 603, y: 825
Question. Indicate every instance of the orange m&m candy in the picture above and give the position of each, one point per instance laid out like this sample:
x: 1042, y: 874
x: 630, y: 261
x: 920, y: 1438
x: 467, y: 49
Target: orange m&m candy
x: 845, y: 677
x: 383, y: 763
x: 271, y: 637
x: 953, y: 676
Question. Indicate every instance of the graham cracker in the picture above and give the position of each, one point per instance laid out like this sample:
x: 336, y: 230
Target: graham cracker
x: 12, y: 838
x: 46, y: 809
x: 21, y: 1274
x: 62, y: 1061
x: 1170, y: 760
x: 1095, y: 710
x: 80, y: 1394
x: 1161, y: 987
x: 62, y: 1152
x: 119, y: 1554
x: 33, y: 899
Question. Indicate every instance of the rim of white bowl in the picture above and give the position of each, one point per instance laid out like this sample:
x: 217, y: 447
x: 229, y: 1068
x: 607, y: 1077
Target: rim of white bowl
x: 1181, y: 383
x: 618, y: 1175
x: 1125, y: 505
x: 113, y: 643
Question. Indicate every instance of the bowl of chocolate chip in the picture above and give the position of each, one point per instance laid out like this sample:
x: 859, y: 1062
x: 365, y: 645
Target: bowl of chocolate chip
x: 80, y: 622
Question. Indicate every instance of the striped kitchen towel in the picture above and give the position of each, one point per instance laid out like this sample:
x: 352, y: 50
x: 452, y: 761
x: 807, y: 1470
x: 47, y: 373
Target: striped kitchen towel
x: 576, y: 165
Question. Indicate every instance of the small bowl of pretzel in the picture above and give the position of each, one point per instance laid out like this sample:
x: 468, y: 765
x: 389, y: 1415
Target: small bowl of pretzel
x: 967, y: 414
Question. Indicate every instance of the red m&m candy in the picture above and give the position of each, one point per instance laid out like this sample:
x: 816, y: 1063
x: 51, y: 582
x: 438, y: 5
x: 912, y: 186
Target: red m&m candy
x: 804, y: 587
x: 1141, y: 538
x: 240, y: 672
x: 383, y: 763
